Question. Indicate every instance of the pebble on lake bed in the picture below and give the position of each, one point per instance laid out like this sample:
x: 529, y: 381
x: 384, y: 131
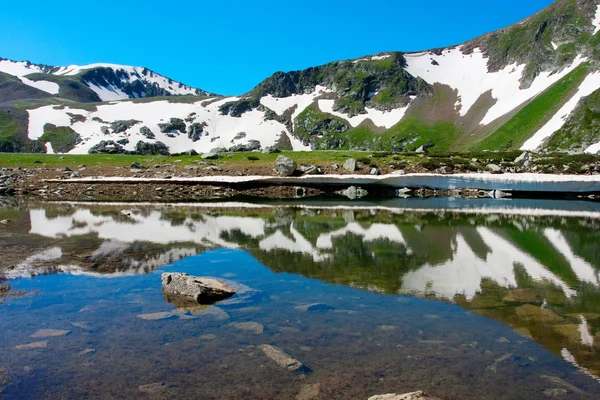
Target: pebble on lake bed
x: 34, y: 345
x: 156, y: 316
x: 253, y: 327
x: 406, y: 396
x: 44, y: 333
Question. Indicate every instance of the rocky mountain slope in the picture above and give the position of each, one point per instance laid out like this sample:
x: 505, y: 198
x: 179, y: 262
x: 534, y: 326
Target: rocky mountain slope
x: 532, y: 85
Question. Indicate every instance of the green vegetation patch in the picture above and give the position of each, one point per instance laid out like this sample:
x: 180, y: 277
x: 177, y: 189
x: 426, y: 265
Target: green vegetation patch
x: 582, y: 128
x: 534, y: 115
x: 62, y: 138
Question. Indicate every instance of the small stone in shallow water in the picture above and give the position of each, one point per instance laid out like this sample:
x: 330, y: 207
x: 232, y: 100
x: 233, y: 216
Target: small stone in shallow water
x: 152, y: 388
x: 555, y: 393
x: 156, y: 316
x: 44, y: 333
x: 309, y: 392
x: 406, y: 396
x: 87, y: 351
x: 388, y: 328
x: 314, y: 307
x: 34, y: 345
x: 253, y: 327
x: 209, y: 336
x: 81, y: 325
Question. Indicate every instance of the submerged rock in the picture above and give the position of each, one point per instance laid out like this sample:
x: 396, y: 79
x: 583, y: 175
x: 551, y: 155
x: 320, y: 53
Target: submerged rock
x: 202, y: 290
x: 44, y: 333
x: 555, y: 393
x: 34, y: 345
x: 420, y: 395
x: 282, y: 359
x: 309, y: 392
x: 285, y: 166
x: 3, y: 379
x: 253, y: 327
x: 86, y: 352
x: 314, y: 307
x: 152, y: 388
x: 156, y: 316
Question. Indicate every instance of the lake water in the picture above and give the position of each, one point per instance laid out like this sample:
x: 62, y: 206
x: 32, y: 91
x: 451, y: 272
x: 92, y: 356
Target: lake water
x: 465, y: 299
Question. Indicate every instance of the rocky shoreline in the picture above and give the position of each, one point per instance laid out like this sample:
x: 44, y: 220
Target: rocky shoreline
x: 208, y: 180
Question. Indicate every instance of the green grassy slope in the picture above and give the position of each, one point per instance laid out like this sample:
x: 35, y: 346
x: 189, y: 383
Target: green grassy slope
x: 534, y: 115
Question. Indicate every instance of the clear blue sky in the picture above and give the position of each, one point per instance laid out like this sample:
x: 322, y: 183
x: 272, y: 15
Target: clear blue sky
x: 229, y: 46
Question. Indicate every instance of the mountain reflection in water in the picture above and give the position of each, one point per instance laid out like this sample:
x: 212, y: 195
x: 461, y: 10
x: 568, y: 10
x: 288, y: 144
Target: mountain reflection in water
x: 537, y: 274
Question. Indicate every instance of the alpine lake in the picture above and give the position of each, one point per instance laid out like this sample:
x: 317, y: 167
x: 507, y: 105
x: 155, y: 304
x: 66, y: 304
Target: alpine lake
x: 463, y: 299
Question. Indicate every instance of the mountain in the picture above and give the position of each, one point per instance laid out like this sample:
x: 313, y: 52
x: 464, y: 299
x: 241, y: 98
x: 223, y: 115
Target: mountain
x: 534, y: 85
x: 96, y: 82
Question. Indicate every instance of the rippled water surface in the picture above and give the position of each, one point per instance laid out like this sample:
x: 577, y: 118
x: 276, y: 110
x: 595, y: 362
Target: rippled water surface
x: 494, y: 300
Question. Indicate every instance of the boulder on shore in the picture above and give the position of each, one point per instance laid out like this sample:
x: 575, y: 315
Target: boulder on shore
x: 200, y: 289
x: 285, y: 166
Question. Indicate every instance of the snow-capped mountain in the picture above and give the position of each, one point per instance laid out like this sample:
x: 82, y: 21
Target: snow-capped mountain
x: 534, y: 85
x: 109, y: 82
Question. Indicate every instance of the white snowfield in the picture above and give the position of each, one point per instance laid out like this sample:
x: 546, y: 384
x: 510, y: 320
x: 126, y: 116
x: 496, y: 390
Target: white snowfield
x: 590, y: 84
x: 508, y: 182
x: 219, y: 132
x: 468, y: 74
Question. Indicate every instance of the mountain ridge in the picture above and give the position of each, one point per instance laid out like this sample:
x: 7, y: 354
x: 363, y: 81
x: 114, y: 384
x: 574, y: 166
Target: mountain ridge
x: 508, y: 89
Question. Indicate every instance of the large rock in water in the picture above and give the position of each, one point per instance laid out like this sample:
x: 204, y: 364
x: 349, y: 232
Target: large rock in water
x: 406, y: 396
x: 202, y: 290
x: 285, y: 166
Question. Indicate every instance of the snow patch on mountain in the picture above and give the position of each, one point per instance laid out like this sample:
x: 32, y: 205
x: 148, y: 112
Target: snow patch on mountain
x: 373, y: 58
x: 589, y: 85
x: 281, y: 104
x: 596, y: 20
x: 385, y: 119
x: 219, y: 130
x: 46, y: 86
x: 22, y: 68
x: 19, y: 68
x: 468, y: 74
x: 593, y: 149
x: 76, y: 69
x: 108, y: 93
